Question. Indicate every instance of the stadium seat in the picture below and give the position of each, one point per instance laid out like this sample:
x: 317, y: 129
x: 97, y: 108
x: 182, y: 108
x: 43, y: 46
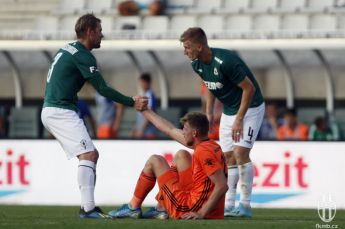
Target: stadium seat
x: 206, y: 6
x: 295, y: 24
x: 239, y: 24
x: 46, y: 23
x: 71, y: 7
x: 23, y: 122
x: 323, y: 23
x: 129, y: 22
x: 213, y: 25
x: 267, y: 23
x: 341, y: 22
x: 291, y: 5
x: 320, y: 5
x: 307, y: 115
x: 67, y: 22
x: 179, y: 23
x: 234, y: 6
x: 263, y: 5
x: 155, y: 23
x: 128, y: 123
x: 99, y: 6
x: 107, y: 24
x: 178, y: 6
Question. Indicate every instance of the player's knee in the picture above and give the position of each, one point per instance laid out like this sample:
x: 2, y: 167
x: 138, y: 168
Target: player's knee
x: 154, y: 160
x: 89, y: 156
x: 182, y: 155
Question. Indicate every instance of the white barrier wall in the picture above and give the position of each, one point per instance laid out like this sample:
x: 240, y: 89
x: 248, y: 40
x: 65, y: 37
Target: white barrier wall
x: 287, y: 174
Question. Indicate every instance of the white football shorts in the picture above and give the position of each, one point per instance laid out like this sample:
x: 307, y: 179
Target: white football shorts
x: 70, y: 131
x: 251, y: 126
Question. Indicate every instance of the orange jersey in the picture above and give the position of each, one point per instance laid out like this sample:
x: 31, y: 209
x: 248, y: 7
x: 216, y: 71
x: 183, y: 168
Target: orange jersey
x: 299, y: 133
x: 206, y: 160
x: 189, y: 190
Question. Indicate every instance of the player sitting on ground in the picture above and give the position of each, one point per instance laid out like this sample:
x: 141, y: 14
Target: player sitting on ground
x: 196, y: 187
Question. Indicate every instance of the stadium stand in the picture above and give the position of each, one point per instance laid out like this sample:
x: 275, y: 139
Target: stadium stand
x: 223, y: 20
x: 23, y: 122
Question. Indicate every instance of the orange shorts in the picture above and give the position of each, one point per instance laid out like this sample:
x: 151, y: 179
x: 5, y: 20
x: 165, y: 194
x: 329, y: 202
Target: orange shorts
x: 174, y: 191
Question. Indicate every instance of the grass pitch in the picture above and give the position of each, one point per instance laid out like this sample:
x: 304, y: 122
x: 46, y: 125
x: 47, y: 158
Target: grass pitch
x: 67, y: 217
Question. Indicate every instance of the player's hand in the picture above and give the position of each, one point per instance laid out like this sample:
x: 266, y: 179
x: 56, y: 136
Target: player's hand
x: 237, y: 130
x: 140, y: 102
x: 192, y: 215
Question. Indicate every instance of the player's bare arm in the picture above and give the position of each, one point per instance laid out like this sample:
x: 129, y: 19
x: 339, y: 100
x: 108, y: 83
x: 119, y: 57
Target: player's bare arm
x: 210, y: 98
x: 165, y: 126
x: 220, y: 188
x: 248, y: 92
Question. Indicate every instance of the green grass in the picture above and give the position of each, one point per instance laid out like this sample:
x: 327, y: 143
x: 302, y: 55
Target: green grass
x: 67, y: 217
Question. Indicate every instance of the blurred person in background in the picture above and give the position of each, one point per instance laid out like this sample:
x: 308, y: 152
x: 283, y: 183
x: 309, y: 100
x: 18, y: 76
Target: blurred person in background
x: 73, y: 65
x: 229, y: 79
x: 320, y: 130
x: 87, y: 117
x: 109, y: 117
x: 270, y: 123
x: 134, y: 7
x: 143, y: 128
x: 292, y: 129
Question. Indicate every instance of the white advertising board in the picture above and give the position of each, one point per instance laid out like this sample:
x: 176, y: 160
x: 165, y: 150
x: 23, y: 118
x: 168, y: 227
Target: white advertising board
x: 287, y: 174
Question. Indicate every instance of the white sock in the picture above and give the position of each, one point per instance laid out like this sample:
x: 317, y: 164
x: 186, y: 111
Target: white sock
x: 232, y: 183
x: 86, y: 180
x: 246, y: 173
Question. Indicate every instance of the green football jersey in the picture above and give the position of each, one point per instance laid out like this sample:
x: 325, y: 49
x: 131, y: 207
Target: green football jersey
x: 222, y: 76
x: 73, y: 65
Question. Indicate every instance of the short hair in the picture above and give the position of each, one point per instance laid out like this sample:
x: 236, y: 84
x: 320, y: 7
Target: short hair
x: 145, y: 77
x: 291, y: 111
x: 197, y: 121
x: 194, y: 34
x: 85, y: 22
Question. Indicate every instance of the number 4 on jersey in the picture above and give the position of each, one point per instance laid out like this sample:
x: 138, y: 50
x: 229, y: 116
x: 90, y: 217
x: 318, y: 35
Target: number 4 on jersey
x: 56, y: 58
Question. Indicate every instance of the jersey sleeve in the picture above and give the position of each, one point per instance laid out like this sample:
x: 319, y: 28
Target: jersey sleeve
x: 209, y: 161
x: 102, y: 88
x: 234, y: 71
x: 87, y: 65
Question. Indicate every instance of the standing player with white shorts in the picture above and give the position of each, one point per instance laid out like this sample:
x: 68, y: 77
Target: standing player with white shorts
x: 73, y: 65
x: 229, y: 79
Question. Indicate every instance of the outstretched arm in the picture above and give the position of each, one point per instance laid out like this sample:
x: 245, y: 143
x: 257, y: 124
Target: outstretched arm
x: 165, y: 126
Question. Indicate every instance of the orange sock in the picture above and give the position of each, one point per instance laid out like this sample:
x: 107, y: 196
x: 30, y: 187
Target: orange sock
x: 144, y: 185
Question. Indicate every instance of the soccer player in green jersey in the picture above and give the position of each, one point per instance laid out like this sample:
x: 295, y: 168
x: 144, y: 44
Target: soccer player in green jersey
x: 73, y: 65
x: 229, y: 79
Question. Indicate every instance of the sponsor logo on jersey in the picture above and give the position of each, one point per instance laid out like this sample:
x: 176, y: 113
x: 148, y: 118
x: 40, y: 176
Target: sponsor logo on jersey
x: 200, y: 70
x: 215, y: 71
x: 213, y: 85
x: 218, y: 60
x: 93, y: 69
